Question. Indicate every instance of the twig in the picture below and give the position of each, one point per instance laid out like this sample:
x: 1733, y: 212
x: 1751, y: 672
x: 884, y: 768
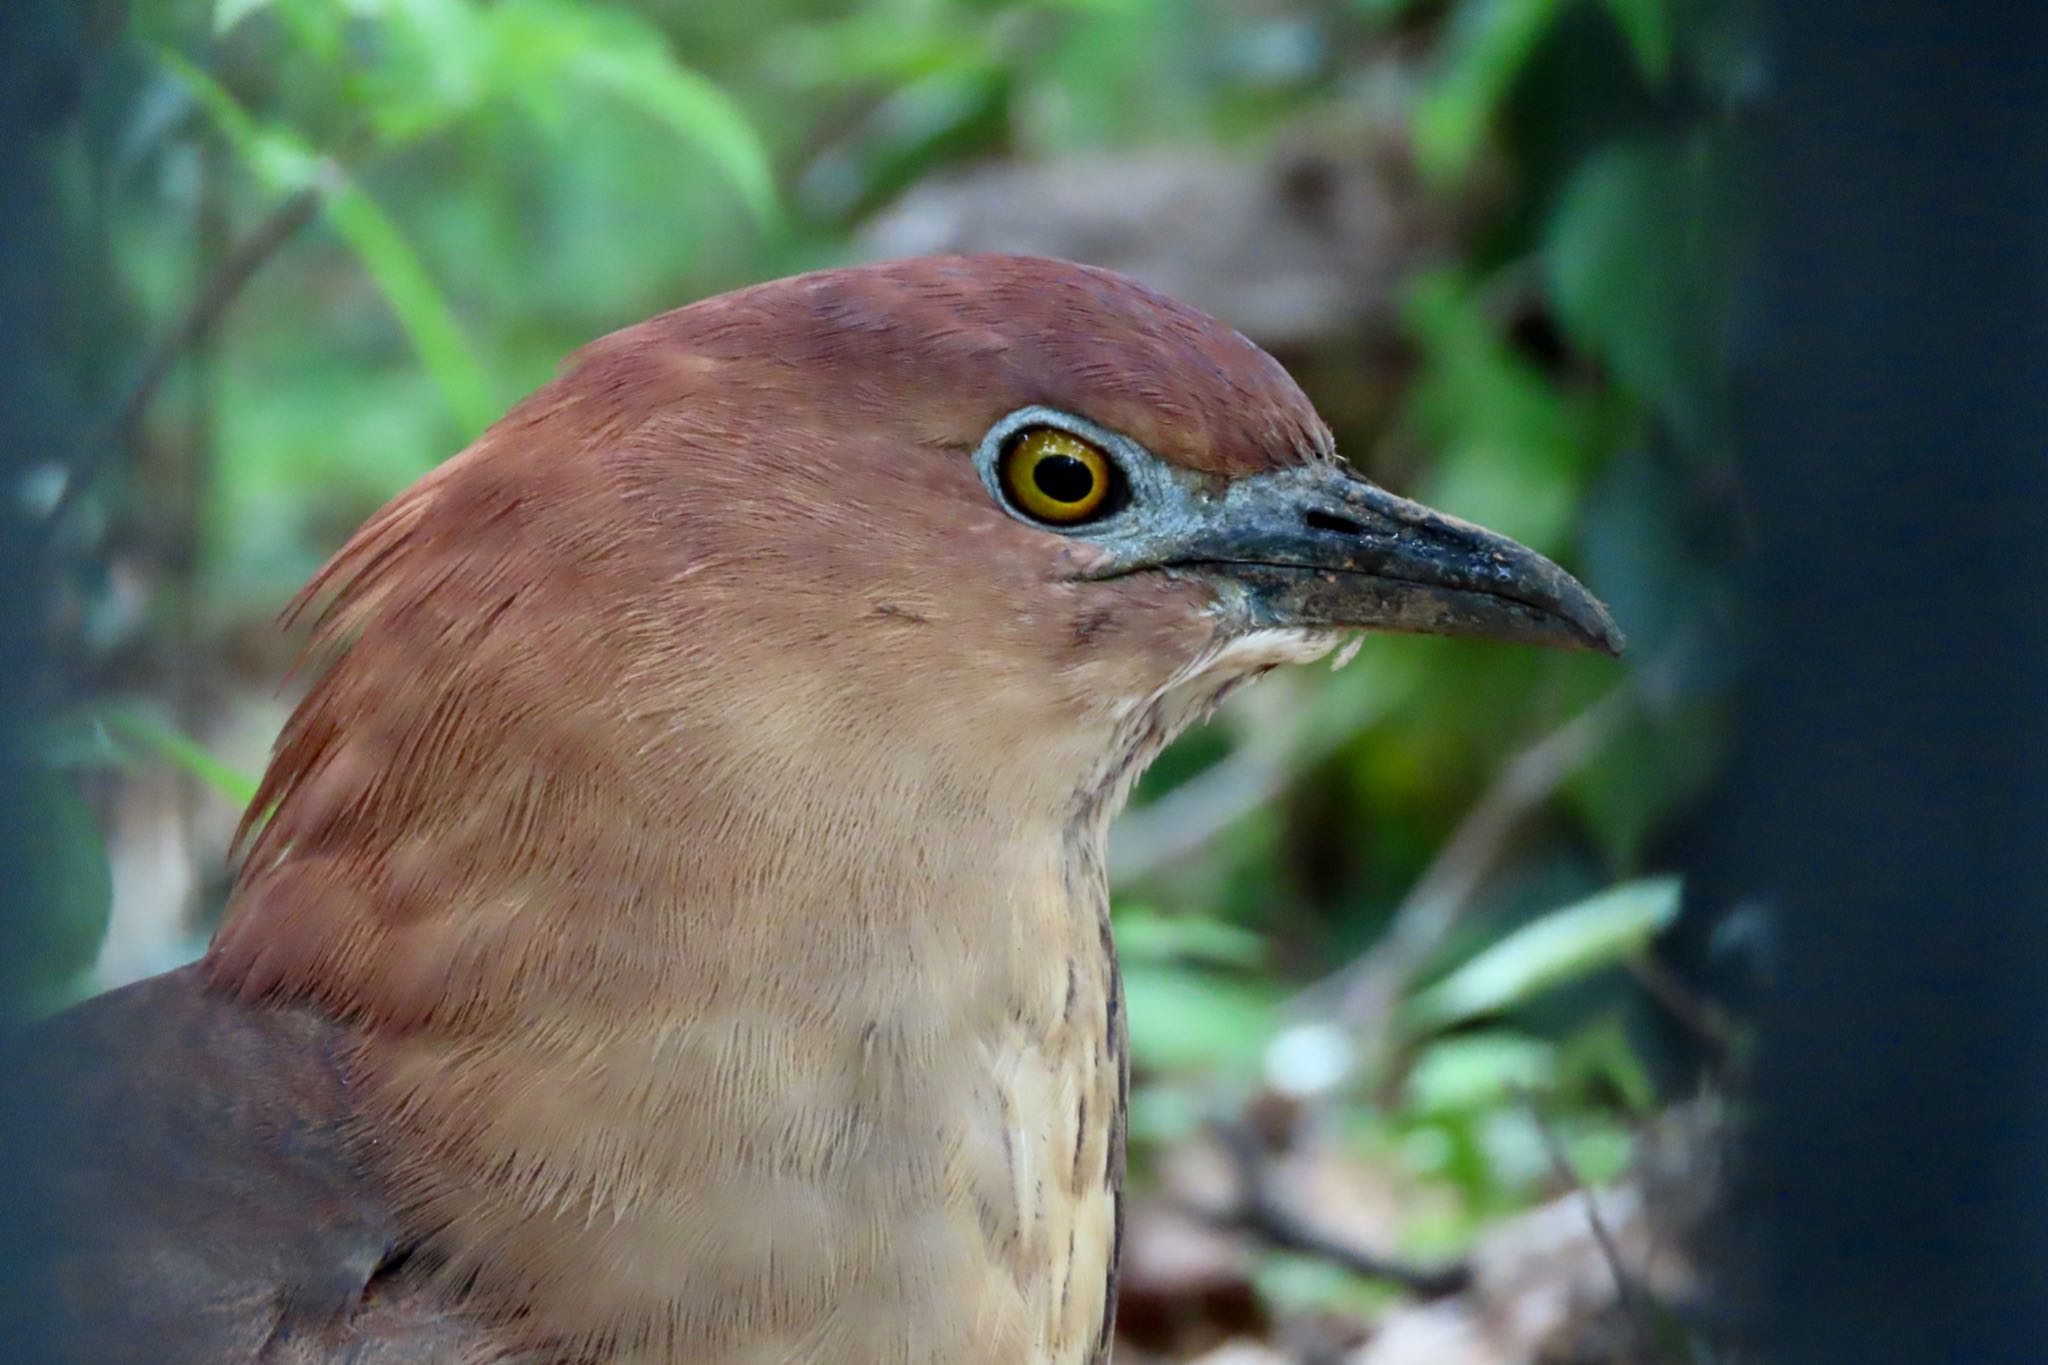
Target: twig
x: 1699, y: 1016
x: 1261, y: 1211
x: 1625, y: 1287
x: 221, y: 289
x: 1366, y: 990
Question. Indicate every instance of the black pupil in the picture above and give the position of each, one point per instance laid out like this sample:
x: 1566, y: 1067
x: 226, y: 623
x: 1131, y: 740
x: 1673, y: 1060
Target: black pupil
x: 1063, y: 478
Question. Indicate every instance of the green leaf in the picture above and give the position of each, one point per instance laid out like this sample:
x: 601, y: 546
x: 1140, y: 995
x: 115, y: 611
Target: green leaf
x: 1636, y: 262
x: 1601, y: 1058
x: 1485, y: 47
x: 694, y: 109
x: 421, y: 309
x: 1146, y: 935
x: 318, y: 28
x: 228, y: 13
x: 1162, y: 1113
x: 434, y: 64
x: 1476, y: 1070
x: 1294, y: 1284
x: 181, y: 752
x: 1651, y: 32
x: 1513, y: 448
x: 1183, y: 1019
x: 929, y: 121
x: 278, y: 158
x: 285, y: 163
x: 542, y: 43
x: 1565, y: 945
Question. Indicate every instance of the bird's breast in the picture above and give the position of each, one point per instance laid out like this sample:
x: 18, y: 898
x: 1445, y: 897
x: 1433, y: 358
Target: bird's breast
x: 924, y: 1171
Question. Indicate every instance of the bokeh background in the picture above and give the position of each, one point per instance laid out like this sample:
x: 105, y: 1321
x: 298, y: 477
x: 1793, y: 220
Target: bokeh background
x: 1429, y: 1042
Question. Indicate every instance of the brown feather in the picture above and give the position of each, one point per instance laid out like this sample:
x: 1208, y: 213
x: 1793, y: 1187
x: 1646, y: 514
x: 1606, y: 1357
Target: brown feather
x: 695, y: 826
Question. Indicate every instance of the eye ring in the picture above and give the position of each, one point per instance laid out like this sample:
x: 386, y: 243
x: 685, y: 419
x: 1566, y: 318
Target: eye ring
x: 1056, y: 477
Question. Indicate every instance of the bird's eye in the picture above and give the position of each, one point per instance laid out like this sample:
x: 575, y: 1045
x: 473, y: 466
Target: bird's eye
x: 1056, y: 477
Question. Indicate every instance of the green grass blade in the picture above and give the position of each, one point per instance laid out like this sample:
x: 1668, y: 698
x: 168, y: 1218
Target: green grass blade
x: 1564, y: 946
x: 422, y: 310
x: 167, y: 743
x: 283, y: 162
x: 694, y: 109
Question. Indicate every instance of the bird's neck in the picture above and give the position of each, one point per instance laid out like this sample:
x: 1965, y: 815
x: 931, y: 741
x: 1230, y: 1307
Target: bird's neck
x: 858, y: 1099
x: 727, y: 1020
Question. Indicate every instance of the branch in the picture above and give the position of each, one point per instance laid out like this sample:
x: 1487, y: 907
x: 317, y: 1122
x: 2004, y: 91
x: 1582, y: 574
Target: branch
x: 1361, y: 995
x: 221, y: 289
x: 1262, y: 1212
x: 1626, y: 1289
x: 1697, y: 1014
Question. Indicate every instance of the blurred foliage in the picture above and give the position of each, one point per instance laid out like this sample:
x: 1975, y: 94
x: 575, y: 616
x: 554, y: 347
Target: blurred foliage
x: 498, y: 182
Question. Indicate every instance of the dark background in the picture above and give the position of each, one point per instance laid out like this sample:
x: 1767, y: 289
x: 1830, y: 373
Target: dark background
x: 1892, y: 751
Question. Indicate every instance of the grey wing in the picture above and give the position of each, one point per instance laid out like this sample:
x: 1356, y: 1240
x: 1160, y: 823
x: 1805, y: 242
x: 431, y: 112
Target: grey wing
x: 187, y: 1194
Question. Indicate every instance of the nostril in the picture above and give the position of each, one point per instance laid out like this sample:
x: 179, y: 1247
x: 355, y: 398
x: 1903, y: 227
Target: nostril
x: 1329, y: 521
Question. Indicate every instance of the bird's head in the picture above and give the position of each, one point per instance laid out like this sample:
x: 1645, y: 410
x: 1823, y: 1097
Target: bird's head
x: 1026, y: 508
x: 855, y: 551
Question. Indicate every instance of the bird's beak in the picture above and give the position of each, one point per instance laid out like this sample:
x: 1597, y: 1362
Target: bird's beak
x: 1317, y: 546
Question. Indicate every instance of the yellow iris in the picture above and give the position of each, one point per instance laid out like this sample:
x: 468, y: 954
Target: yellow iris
x: 1055, y: 476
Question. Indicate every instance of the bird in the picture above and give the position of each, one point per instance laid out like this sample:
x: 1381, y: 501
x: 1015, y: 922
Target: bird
x: 673, y: 925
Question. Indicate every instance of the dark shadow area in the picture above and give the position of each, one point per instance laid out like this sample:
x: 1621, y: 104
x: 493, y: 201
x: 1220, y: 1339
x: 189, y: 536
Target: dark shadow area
x: 42, y: 54
x: 1893, y: 763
